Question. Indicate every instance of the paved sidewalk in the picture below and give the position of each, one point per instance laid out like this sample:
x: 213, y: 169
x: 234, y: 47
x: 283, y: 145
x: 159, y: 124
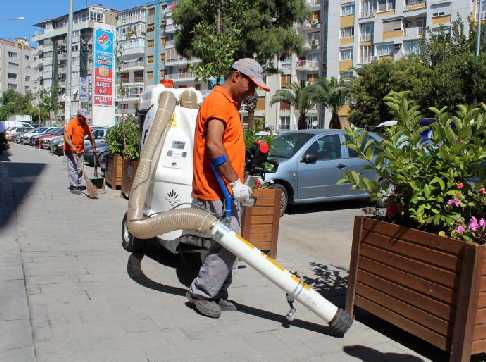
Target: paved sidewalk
x: 69, y: 292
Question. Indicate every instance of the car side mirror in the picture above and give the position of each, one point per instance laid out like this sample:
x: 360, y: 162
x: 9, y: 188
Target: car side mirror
x: 310, y: 158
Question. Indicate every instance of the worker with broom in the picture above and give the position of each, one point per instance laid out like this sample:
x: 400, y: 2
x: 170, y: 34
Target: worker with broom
x: 74, y: 134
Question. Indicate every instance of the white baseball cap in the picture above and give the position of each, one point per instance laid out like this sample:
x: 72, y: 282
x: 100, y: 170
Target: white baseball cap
x: 253, y: 70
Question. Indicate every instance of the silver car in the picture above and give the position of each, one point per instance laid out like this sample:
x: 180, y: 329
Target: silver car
x: 311, y: 162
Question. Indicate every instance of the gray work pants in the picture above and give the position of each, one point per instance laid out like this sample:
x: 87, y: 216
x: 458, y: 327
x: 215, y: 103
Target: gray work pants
x: 75, y: 169
x: 215, y: 275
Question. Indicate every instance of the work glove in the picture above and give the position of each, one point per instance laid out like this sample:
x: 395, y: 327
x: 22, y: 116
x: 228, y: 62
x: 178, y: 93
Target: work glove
x: 241, y: 192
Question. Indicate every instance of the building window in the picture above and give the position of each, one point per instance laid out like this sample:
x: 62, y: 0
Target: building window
x: 284, y: 106
x: 346, y: 54
x: 12, y: 76
x: 284, y: 122
x: 365, y: 54
x: 413, y: 2
x: 384, y: 49
x: 439, y: 13
x: 150, y: 59
x: 150, y: 75
x: 12, y: 54
x: 347, y: 9
x: 385, y: 5
x: 347, y: 32
x: 366, y: 31
x: 410, y: 47
x: 346, y: 75
x: 150, y: 43
x: 285, y: 80
x: 368, y: 8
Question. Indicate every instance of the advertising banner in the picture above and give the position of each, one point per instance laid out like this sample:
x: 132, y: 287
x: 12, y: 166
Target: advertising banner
x: 104, y: 72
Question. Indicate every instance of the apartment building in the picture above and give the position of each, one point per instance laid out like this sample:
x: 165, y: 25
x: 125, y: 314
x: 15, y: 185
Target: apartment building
x: 163, y: 63
x: 130, y: 54
x: 52, y: 54
x: 361, y: 31
x: 16, y: 65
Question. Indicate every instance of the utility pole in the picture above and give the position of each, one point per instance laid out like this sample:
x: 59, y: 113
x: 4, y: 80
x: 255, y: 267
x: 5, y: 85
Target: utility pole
x: 478, y: 39
x: 324, y: 15
x: 157, y: 42
x: 68, y: 106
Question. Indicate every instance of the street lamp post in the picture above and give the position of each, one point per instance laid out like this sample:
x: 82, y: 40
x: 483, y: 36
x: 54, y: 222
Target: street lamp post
x: 478, y: 38
x: 67, y: 104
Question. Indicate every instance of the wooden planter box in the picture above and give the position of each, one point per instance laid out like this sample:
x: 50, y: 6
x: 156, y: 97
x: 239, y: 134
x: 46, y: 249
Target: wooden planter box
x: 259, y: 224
x: 114, y: 171
x: 430, y: 286
x: 129, y: 169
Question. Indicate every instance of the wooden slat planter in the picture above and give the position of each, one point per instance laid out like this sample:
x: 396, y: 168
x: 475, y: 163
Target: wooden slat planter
x: 129, y: 169
x: 260, y: 223
x: 114, y: 171
x: 430, y: 286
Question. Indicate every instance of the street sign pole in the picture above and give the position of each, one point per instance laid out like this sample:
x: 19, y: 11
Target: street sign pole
x: 478, y: 38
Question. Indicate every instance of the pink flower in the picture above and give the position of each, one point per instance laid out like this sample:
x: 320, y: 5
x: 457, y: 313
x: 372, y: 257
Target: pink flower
x: 460, y: 186
x: 482, y: 190
x: 454, y: 202
x: 460, y: 229
x: 473, y: 224
x: 482, y: 223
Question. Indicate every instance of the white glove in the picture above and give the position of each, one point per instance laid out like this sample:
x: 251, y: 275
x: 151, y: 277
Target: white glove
x: 241, y: 192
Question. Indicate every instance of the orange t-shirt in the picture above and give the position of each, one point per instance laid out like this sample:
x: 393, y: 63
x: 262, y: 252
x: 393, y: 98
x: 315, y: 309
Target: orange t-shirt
x: 76, y: 130
x: 218, y: 105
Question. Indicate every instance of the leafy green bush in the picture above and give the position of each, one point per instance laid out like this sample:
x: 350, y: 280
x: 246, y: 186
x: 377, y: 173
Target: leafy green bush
x: 124, y: 138
x: 434, y: 185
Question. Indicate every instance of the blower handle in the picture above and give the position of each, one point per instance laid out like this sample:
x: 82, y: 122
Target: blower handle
x: 228, y: 200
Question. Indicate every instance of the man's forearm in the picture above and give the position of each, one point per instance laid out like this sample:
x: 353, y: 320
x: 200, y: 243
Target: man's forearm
x: 69, y: 142
x: 226, y: 169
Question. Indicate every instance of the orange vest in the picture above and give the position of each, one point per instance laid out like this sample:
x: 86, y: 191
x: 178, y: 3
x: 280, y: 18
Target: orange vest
x: 218, y: 105
x: 76, y: 130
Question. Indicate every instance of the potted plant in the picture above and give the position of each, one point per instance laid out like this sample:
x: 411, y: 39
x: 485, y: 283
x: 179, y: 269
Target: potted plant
x: 131, y: 153
x: 260, y: 222
x: 420, y: 261
x: 114, y: 160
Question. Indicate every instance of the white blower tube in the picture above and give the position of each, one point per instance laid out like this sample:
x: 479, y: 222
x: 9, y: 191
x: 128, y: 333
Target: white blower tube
x: 277, y: 274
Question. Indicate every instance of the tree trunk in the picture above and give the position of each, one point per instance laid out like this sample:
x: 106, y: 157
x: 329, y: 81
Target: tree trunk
x: 301, y: 123
x: 251, y: 119
x: 334, y: 123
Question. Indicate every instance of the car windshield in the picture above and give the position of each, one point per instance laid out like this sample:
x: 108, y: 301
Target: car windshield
x: 287, y: 144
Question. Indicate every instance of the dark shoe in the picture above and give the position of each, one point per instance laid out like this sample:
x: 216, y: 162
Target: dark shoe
x: 71, y: 187
x: 206, y: 307
x: 82, y: 188
x: 227, y: 306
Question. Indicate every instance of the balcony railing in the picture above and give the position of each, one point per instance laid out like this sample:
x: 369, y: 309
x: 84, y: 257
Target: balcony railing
x: 181, y: 76
x: 414, y: 33
x: 308, y: 65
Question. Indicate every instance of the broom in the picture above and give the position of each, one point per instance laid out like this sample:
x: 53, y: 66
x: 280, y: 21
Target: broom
x: 91, y: 190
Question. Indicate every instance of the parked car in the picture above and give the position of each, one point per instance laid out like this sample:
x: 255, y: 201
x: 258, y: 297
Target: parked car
x: 12, y: 132
x: 309, y: 163
x: 34, y: 140
x: 25, y: 139
x: 88, y: 151
x: 55, y: 143
x: 45, y: 139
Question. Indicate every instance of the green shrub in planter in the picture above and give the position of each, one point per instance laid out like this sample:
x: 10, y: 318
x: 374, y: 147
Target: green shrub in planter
x: 124, y: 138
x: 437, y: 185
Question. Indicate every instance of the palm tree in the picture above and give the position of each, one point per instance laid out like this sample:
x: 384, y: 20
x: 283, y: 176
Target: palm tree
x: 333, y: 94
x: 300, y: 96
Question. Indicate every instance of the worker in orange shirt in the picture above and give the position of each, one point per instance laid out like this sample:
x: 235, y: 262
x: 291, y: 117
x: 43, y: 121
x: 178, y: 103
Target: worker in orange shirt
x: 219, y: 146
x: 74, y: 134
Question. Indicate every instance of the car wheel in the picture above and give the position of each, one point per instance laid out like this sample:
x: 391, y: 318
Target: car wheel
x: 284, y: 198
x: 129, y: 242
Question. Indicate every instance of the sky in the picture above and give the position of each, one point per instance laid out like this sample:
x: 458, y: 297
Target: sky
x: 35, y: 11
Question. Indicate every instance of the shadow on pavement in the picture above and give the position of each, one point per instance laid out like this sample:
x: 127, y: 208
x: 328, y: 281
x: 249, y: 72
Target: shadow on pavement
x: 330, y: 281
x: 368, y: 354
x: 327, y: 206
x: 16, y: 180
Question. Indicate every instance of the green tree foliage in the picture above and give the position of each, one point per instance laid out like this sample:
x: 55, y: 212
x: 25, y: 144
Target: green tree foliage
x: 218, y: 32
x: 300, y: 96
x: 333, y: 94
x: 13, y: 102
x: 444, y: 73
x: 124, y: 138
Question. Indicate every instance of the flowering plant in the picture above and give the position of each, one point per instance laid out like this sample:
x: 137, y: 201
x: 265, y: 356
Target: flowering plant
x: 431, y: 177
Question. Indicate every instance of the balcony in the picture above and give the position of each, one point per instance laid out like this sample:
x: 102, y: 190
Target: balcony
x: 170, y: 28
x: 180, y: 61
x: 132, y: 66
x: 181, y: 77
x: 392, y: 34
x: 314, y: 4
x: 311, y: 26
x: 413, y: 5
x: 308, y: 66
x: 414, y: 33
